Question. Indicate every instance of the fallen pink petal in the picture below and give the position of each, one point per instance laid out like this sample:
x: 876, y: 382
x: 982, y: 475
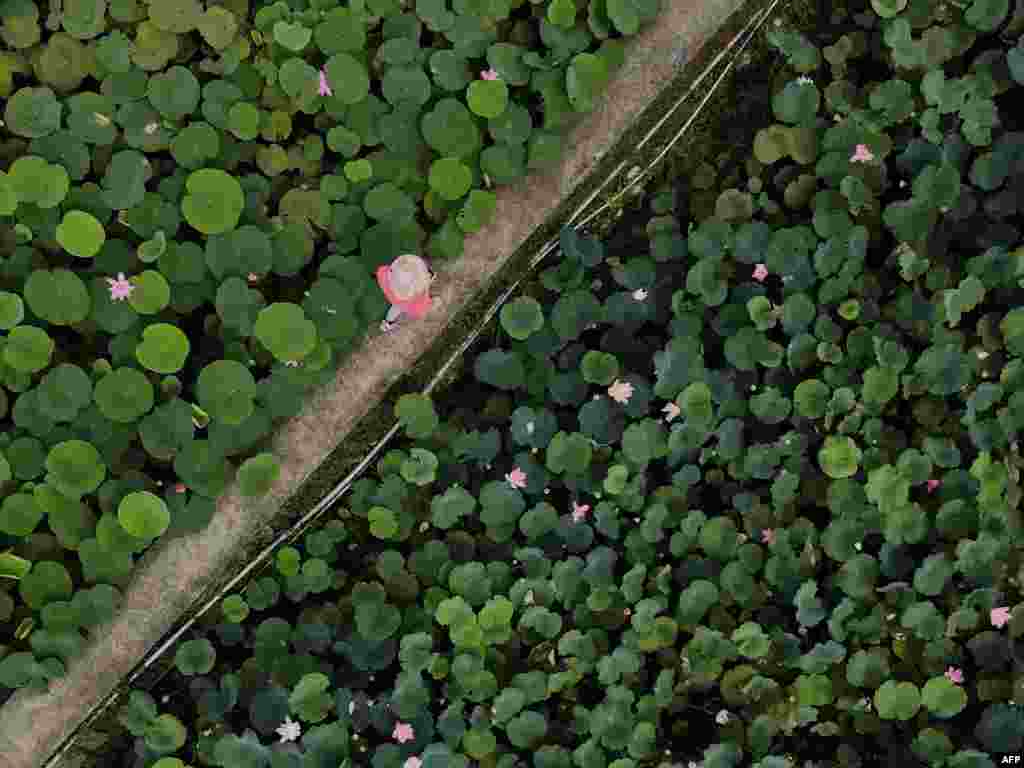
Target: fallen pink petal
x: 760, y: 272
x: 489, y: 74
x: 403, y: 732
x: 954, y: 675
x: 516, y: 478
x: 620, y: 391
x: 768, y: 536
x: 579, y: 512
x: 862, y: 154
x: 1000, y: 616
x: 412, y: 762
x: 120, y: 287
x: 933, y: 484
x: 325, y: 87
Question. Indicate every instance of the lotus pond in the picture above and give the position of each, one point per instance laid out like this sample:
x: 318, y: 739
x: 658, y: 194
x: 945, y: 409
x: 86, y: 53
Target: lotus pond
x: 735, y: 483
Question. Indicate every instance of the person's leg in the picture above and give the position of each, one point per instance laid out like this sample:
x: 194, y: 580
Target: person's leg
x: 394, y: 316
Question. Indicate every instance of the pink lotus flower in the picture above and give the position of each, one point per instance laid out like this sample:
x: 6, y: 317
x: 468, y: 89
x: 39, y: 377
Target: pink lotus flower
x: 120, y: 288
x: 1000, y: 616
x: 933, y: 484
x: 489, y: 74
x: 412, y: 762
x: 768, y: 536
x: 516, y: 478
x: 325, y: 87
x: 954, y: 675
x: 672, y: 410
x: 620, y: 391
x: 579, y: 512
x: 180, y: 488
x: 403, y: 732
x: 760, y: 272
x: 862, y: 154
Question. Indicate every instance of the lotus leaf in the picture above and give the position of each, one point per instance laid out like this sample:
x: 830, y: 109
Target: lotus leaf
x: 46, y: 582
x: 522, y: 317
x: 174, y: 93
x: 58, y: 297
x: 943, y: 698
x: 33, y: 112
x: 226, y: 390
x: 450, y: 178
x: 195, y: 657
x: 143, y: 515
x: 28, y: 349
x: 897, y: 700
x: 257, y: 474
x: 164, y: 348
x: 628, y: 15
x: 34, y: 180
x: 451, y: 130
x: 585, y: 80
x: 214, y: 201
x: 840, y: 457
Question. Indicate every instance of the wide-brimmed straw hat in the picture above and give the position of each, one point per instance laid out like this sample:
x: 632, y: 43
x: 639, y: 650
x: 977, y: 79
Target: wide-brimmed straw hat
x: 409, y: 277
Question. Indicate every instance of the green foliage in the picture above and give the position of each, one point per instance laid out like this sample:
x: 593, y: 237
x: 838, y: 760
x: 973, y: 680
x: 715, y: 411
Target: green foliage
x: 702, y: 448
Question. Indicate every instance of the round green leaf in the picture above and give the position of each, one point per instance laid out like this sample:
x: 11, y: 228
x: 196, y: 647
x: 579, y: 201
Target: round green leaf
x: 839, y: 457
x: 214, y: 201
x: 350, y: 82
x: 943, y: 698
x: 897, y: 701
x: 124, y: 395
x: 244, y: 121
x: 257, y: 474
x: 195, y: 657
x: 84, y: 19
x: 164, y: 348
x: 165, y: 734
x: 284, y: 329
x: 28, y: 349
x: 294, y: 37
x: 226, y: 390
x: 33, y: 112
x: 174, y: 93
x: 152, y: 292
x: 46, y: 582
x: 81, y: 234
x: 12, y: 310
x: 487, y: 98
x: 34, y: 180
x: 450, y: 178
x: 144, y: 515
x: 20, y: 513
x: 76, y: 468
x: 585, y: 79
x: 478, y: 210
x: 522, y: 317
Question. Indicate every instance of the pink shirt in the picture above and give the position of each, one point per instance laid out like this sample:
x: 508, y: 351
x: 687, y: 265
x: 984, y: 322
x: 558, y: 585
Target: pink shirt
x: 416, y: 307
